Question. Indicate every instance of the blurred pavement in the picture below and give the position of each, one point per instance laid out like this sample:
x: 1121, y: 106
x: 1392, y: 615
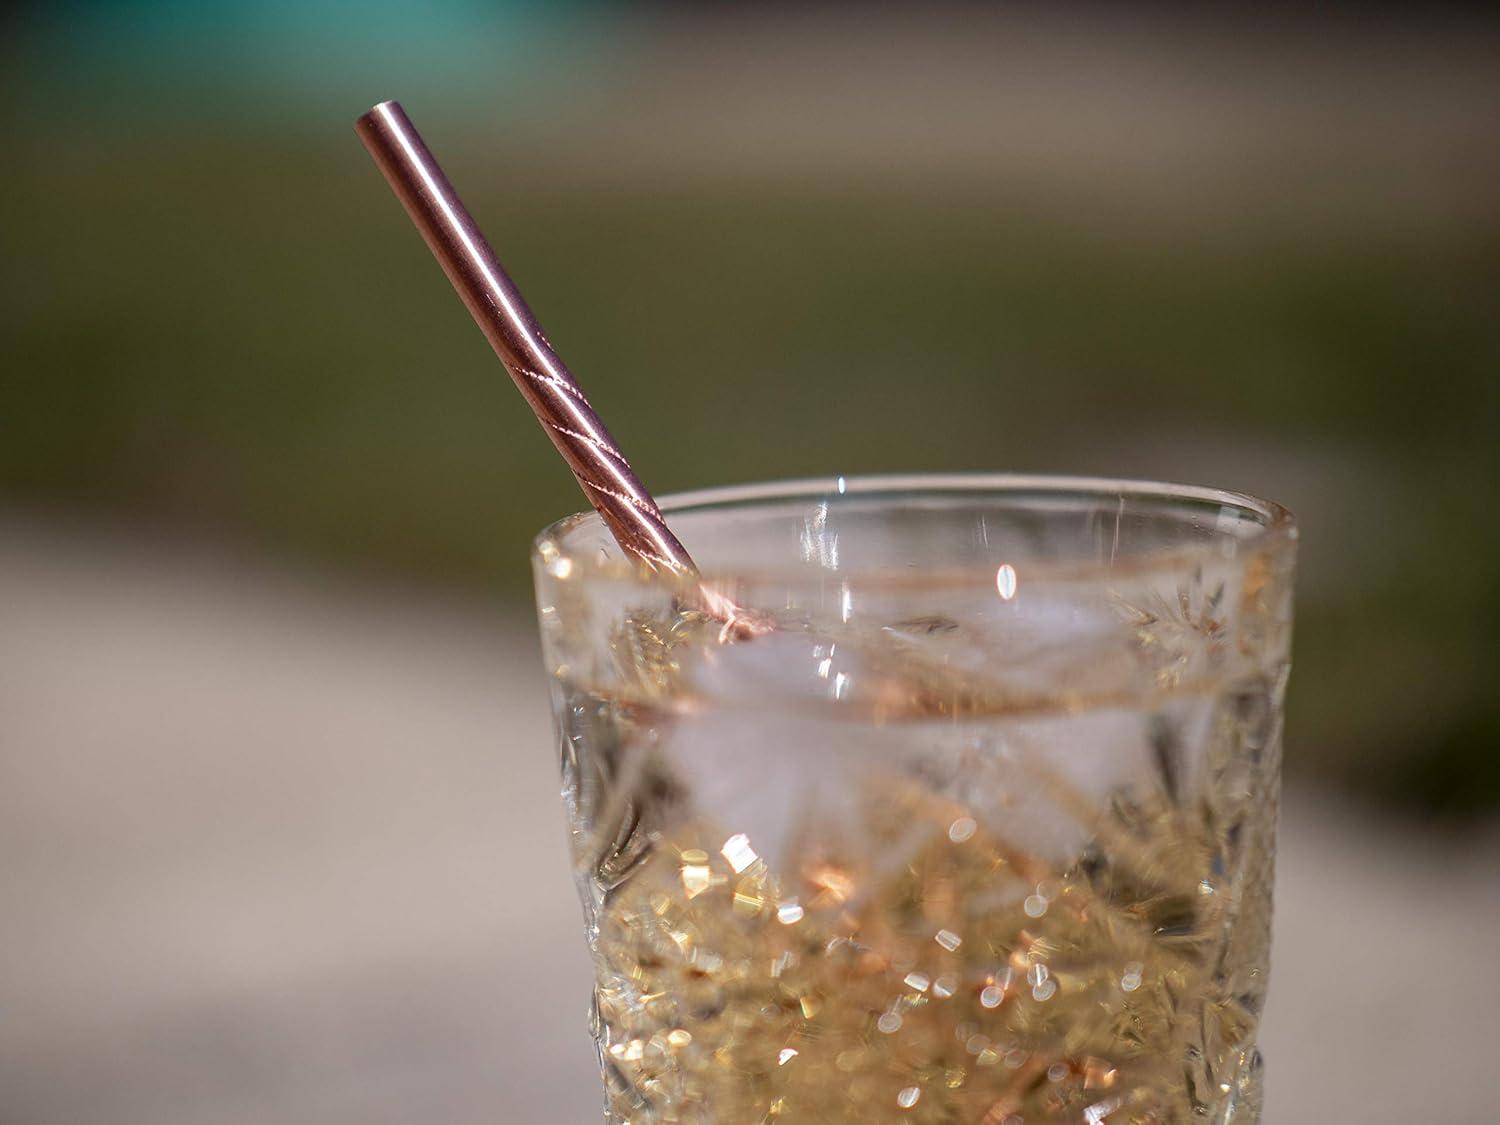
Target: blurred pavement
x: 277, y: 849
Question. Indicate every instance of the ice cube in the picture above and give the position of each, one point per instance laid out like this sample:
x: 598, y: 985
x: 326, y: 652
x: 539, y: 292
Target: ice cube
x: 1002, y: 710
x: 768, y: 752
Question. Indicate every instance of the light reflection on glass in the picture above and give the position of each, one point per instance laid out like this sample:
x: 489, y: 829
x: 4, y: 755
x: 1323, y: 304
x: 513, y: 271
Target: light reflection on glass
x: 818, y: 544
x: 738, y: 852
x: 1005, y: 581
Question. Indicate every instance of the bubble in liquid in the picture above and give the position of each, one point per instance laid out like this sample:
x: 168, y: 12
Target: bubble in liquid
x: 962, y: 829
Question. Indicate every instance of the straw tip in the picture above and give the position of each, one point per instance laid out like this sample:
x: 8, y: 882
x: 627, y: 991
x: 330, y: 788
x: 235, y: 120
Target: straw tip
x: 379, y: 109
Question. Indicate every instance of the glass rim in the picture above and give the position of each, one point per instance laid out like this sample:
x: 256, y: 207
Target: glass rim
x: 1271, y: 523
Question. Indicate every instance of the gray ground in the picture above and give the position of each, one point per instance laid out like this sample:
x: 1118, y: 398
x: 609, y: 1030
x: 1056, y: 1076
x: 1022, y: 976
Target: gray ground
x: 275, y: 850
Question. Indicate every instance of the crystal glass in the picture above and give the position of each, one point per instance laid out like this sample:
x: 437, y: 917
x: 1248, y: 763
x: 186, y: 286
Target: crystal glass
x: 982, y: 831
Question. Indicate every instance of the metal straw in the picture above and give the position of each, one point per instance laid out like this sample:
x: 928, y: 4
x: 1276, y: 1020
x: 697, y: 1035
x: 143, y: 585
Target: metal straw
x: 503, y: 316
x: 555, y: 397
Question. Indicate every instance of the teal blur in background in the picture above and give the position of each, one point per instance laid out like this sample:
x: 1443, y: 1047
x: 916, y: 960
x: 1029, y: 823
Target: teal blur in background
x: 774, y: 242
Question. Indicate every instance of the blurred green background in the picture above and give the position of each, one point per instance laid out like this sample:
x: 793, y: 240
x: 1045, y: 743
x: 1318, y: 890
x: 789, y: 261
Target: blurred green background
x: 1261, y: 253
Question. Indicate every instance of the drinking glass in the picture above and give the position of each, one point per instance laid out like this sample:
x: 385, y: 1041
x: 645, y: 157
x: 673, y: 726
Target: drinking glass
x: 981, y: 830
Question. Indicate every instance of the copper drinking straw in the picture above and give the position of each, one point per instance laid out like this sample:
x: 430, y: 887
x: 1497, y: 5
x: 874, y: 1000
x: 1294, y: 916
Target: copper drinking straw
x: 503, y: 316
x: 555, y: 397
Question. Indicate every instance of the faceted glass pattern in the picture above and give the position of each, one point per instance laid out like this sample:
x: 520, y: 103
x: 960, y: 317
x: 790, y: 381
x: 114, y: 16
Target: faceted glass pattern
x: 981, y: 832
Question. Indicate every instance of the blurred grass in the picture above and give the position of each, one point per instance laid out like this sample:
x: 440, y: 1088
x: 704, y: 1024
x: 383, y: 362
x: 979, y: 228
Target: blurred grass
x: 226, y: 327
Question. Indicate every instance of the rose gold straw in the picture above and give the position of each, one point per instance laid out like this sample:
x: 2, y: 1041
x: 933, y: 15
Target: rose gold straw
x: 503, y: 316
